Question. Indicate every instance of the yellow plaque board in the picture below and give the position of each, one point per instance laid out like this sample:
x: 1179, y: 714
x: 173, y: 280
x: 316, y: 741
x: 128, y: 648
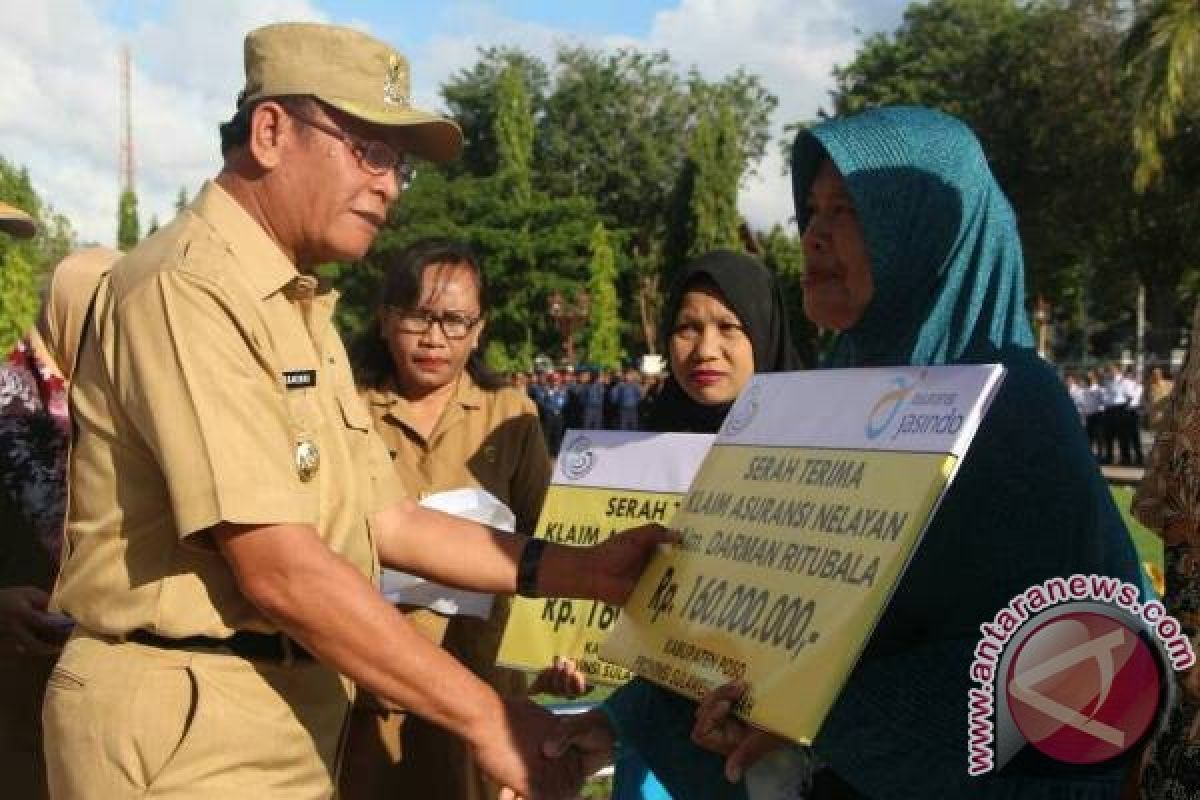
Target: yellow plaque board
x: 796, y: 532
x: 604, y: 482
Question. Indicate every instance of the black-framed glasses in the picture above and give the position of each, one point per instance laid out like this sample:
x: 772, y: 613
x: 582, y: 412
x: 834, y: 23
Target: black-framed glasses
x: 374, y: 156
x: 454, y: 324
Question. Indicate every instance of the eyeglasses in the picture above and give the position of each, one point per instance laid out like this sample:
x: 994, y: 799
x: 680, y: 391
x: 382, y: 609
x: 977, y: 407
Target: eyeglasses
x: 454, y: 324
x: 374, y: 156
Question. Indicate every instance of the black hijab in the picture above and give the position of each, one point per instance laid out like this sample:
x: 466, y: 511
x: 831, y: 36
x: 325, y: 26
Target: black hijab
x: 750, y: 290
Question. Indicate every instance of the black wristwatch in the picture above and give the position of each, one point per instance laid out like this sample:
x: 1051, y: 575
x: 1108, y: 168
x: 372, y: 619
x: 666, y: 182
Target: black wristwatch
x: 527, y: 568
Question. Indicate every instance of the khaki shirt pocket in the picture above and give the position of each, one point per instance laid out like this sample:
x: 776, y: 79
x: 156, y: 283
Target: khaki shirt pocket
x: 354, y: 411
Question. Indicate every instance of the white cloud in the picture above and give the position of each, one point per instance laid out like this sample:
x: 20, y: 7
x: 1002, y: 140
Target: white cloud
x: 792, y: 46
x: 478, y: 26
x: 59, y: 102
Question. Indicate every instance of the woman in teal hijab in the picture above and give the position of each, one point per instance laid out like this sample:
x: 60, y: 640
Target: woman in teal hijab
x: 1028, y: 503
x: 913, y: 256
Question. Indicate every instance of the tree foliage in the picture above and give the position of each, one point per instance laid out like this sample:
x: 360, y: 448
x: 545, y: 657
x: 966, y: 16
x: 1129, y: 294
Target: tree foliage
x: 1162, y: 53
x: 713, y: 169
x: 604, y: 324
x: 128, y: 228
x: 1058, y: 144
x: 783, y: 254
x: 24, y: 264
x: 514, y: 135
x: 553, y: 150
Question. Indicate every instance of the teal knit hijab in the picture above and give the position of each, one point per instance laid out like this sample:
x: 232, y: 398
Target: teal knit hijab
x: 945, y: 254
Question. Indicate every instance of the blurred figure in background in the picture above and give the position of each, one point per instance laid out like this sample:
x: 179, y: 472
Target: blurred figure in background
x: 35, y: 429
x: 626, y: 397
x: 593, y: 401
x: 1094, y: 417
x: 1078, y: 394
x: 552, y: 410
x: 1157, y: 397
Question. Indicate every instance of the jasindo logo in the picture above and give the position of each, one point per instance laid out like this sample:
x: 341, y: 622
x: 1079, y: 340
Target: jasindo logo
x: 888, y: 406
x: 922, y: 411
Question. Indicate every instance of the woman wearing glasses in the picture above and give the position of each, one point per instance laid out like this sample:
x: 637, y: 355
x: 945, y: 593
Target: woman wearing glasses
x: 449, y: 424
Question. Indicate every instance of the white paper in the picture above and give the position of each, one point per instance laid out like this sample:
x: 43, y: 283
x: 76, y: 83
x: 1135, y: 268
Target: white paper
x: 474, y: 504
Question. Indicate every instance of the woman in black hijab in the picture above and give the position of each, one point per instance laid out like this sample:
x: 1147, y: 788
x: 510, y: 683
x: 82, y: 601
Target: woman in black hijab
x: 724, y: 321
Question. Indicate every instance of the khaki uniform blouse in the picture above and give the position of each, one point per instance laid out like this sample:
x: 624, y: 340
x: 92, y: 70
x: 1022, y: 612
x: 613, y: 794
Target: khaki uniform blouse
x: 486, y: 439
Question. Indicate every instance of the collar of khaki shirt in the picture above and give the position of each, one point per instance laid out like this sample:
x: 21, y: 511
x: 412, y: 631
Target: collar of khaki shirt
x: 270, y: 270
x: 467, y: 397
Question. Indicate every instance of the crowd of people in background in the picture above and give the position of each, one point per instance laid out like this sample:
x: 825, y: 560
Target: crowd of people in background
x: 589, y: 398
x: 1114, y: 407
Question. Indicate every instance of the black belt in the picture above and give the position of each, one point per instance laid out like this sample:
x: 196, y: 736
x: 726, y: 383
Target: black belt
x: 246, y: 644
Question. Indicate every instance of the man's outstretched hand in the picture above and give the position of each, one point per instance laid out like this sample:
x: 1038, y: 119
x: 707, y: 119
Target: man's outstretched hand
x: 607, y: 571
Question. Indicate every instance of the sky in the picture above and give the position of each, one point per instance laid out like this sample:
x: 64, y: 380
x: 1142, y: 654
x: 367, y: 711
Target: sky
x: 60, y: 99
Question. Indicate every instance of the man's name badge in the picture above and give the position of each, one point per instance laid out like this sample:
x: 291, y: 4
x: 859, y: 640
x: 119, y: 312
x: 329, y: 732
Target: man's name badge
x: 300, y: 378
x: 308, y: 459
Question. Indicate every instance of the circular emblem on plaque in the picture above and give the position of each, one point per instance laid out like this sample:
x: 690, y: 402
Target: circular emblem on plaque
x: 744, y: 410
x: 578, y: 458
x: 308, y: 459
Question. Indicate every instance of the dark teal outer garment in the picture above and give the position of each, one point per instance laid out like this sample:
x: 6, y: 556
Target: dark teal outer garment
x: 1028, y: 503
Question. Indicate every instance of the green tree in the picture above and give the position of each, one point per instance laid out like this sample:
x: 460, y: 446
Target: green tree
x: 25, y: 263
x: 715, y: 163
x: 1162, y: 52
x: 614, y: 128
x: 514, y: 134
x: 604, y: 324
x: 128, y: 228
x: 1058, y: 145
x: 18, y: 293
x: 601, y: 137
x: 521, y: 270
x: 471, y: 99
x: 783, y: 253
x: 181, y: 199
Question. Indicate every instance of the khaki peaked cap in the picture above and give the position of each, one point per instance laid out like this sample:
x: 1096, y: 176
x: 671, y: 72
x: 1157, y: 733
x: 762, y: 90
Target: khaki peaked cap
x: 349, y: 70
x: 16, y: 222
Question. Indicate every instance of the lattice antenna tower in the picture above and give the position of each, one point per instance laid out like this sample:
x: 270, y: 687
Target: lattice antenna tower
x: 126, y: 123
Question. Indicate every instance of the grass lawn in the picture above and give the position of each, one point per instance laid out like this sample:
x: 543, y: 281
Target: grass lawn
x: 1149, y: 546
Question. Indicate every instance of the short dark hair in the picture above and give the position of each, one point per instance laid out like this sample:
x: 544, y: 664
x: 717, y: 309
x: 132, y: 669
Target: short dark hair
x: 402, y: 279
x: 236, y: 132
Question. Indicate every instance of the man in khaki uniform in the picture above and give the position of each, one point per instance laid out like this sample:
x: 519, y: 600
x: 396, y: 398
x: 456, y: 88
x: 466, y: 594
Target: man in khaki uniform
x: 230, y: 504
